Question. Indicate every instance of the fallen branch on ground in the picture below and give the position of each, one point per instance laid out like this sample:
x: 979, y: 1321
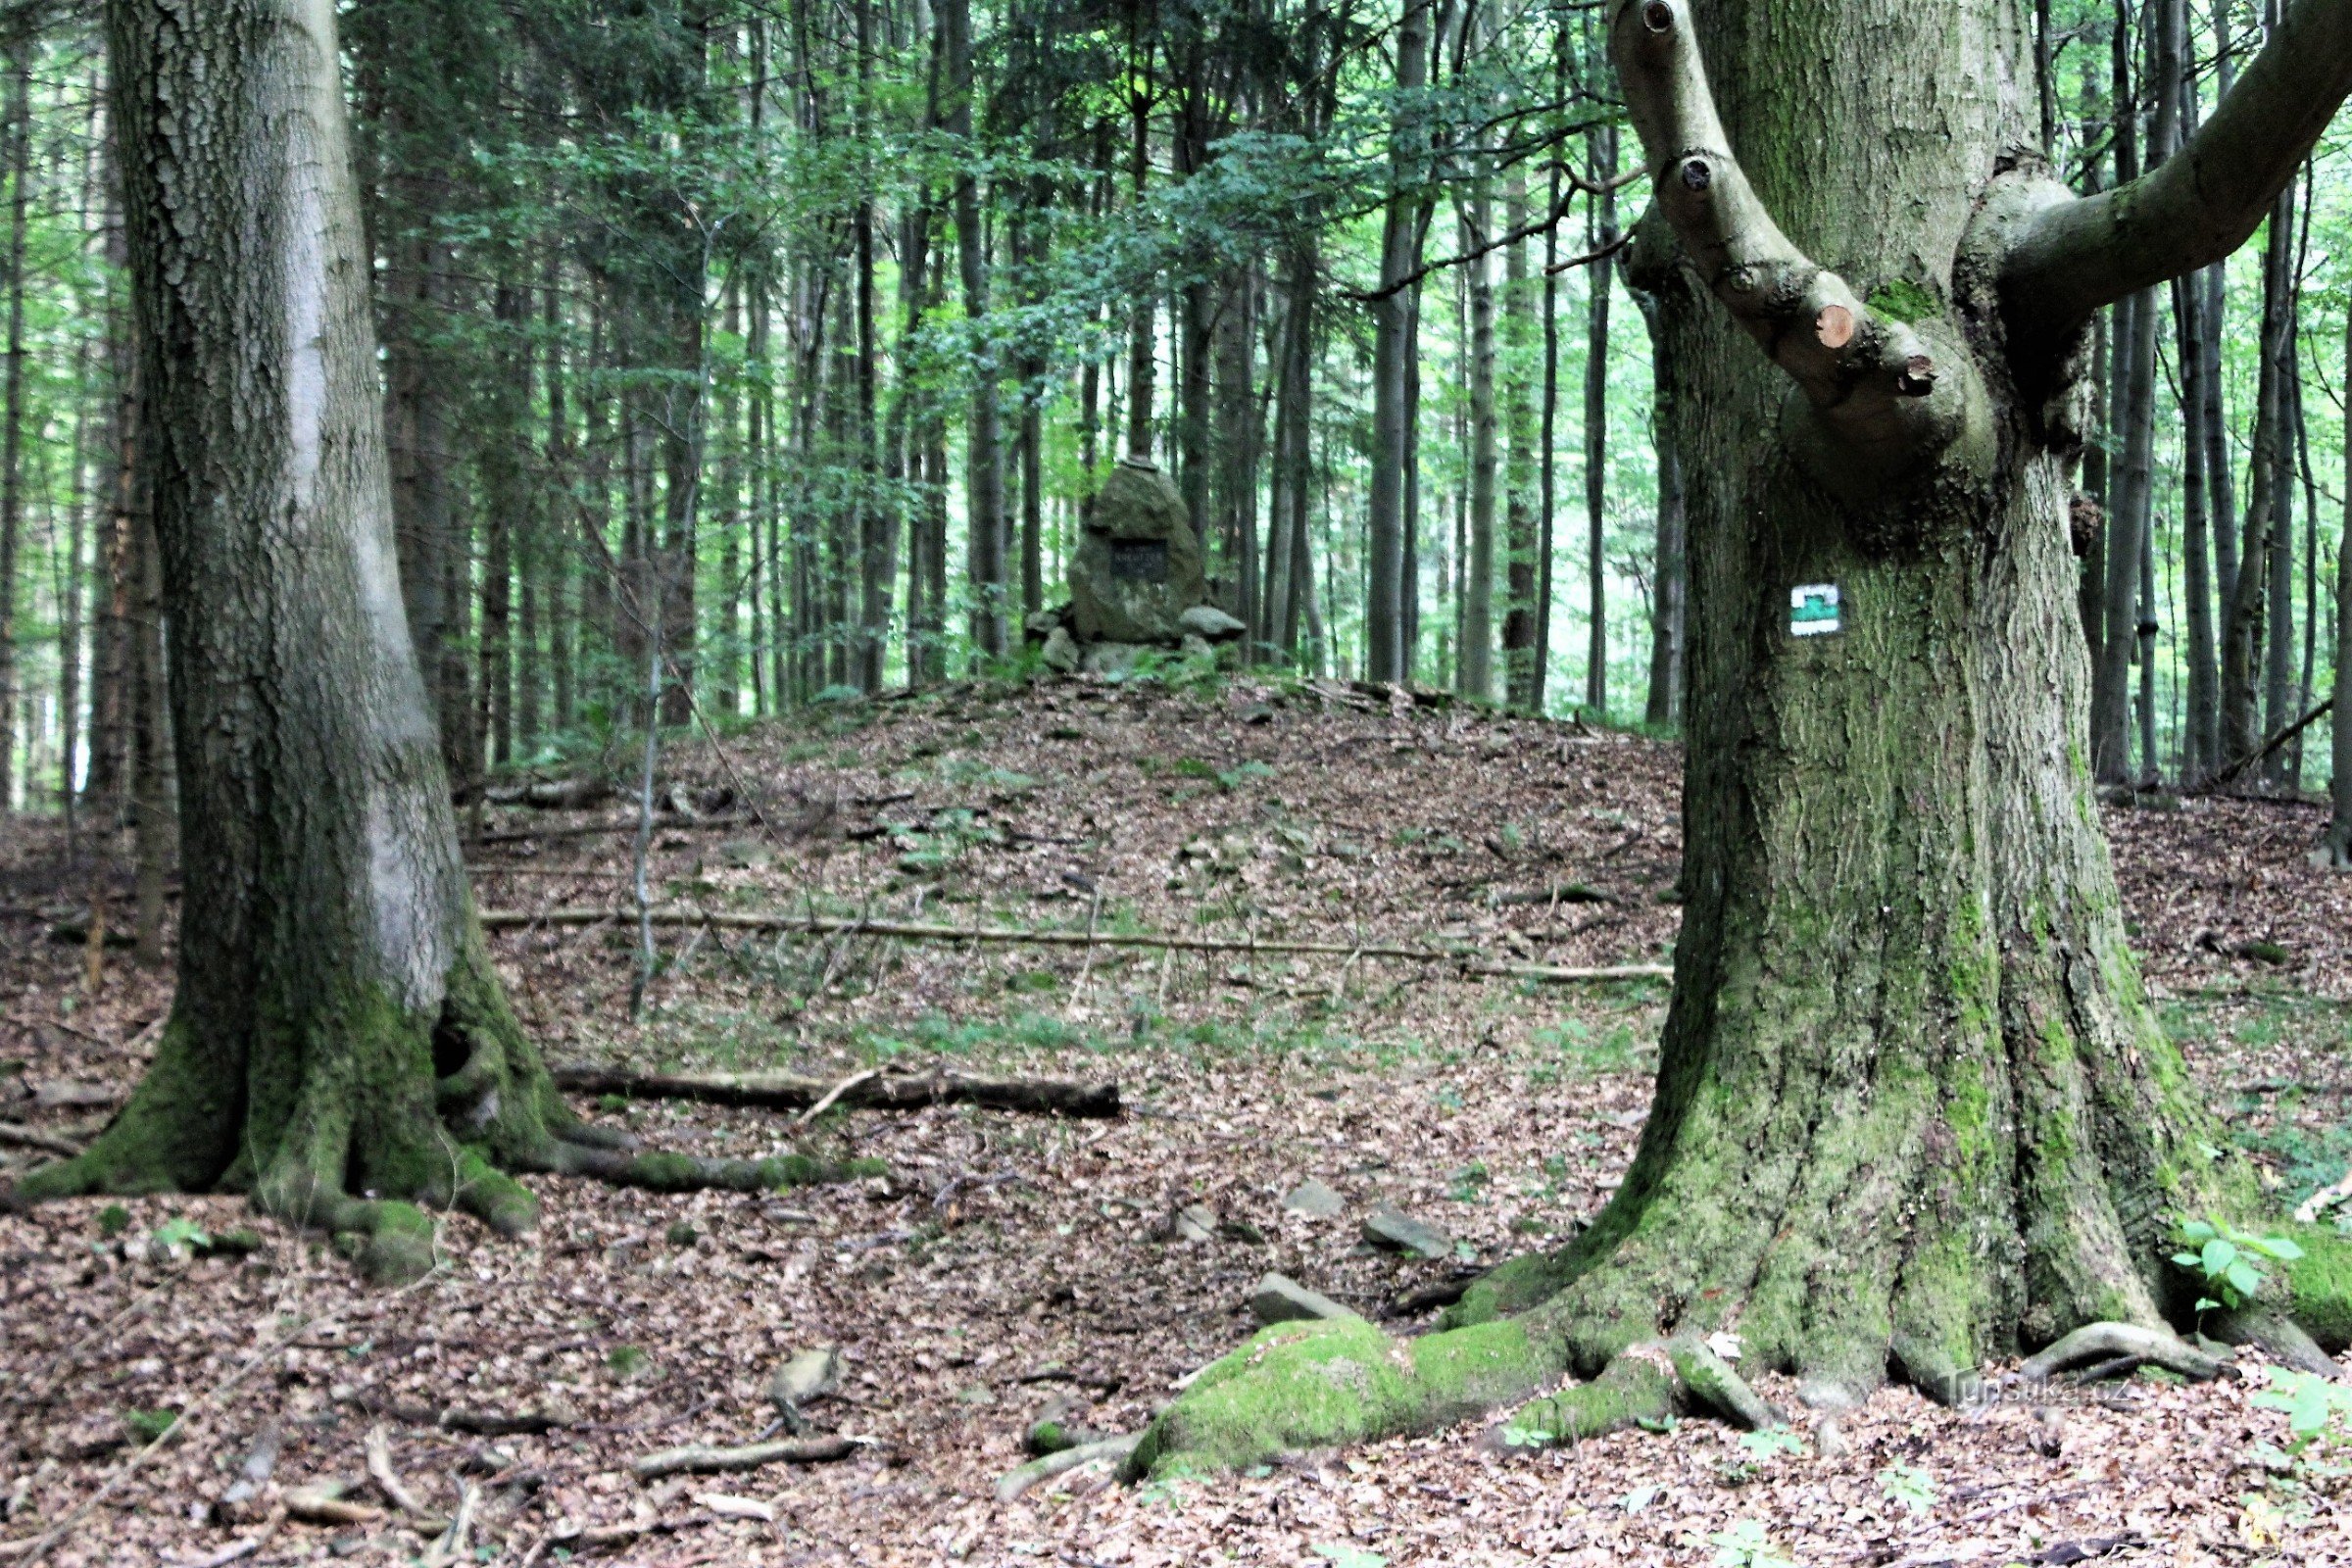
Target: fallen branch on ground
x: 699, y: 1460
x: 2222, y: 777
x: 915, y: 931
x: 895, y: 1091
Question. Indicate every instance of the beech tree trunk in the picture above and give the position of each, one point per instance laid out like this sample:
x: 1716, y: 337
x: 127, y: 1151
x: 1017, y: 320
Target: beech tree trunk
x: 1913, y: 1109
x: 338, y: 1028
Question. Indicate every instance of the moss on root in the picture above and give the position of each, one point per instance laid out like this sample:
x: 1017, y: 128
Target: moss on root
x: 2319, y: 1285
x: 1634, y: 1389
x: 1313, y: 1385
x: 339, y: 1122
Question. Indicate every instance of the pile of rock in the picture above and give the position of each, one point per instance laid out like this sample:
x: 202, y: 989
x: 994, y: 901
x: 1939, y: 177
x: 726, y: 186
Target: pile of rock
x: 1136, y: 581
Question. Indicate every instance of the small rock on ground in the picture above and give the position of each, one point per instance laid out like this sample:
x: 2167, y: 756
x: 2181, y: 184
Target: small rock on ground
x: 1391, y: 1230
x: 1315, y: 1199
x: 1280, y: 1299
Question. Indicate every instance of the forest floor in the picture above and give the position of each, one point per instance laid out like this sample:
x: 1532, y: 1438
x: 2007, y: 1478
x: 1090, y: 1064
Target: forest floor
x: 1007, y: 1260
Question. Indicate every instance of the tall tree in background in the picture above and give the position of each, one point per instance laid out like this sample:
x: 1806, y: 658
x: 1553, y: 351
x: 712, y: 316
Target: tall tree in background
x: 338, y: 1027
x: 18, y: 152
x: 1387, y: 655
x: 1913, y: 1109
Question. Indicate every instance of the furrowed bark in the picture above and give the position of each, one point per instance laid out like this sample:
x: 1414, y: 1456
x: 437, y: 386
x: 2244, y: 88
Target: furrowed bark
x: 2202, y: 204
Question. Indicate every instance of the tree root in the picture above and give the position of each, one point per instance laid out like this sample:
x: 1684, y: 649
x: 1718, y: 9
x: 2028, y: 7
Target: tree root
x: 2109, y: 1340
x: 1014, y: 1483
x: 358, y: 1140
x: 1640, y: 1388
x: 2274, y: 1335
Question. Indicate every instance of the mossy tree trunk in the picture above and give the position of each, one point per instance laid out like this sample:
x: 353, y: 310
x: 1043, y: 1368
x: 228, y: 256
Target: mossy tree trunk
x: 1913, y: 1109
x: 338, y: 1029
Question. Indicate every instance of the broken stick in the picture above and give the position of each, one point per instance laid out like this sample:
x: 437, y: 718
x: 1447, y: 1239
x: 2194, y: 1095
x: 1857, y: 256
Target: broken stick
x: 701, y: 1459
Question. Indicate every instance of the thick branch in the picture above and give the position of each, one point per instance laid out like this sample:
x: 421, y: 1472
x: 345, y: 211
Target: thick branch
x: 1870, y: 377
x: 2199, y: 205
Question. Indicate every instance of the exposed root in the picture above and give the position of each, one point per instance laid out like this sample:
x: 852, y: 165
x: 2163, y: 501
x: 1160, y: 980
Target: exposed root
x: 1334, y: 1381
x: 345, y: 1127
x: 1639, y: 1388
x: 1014, y: 1483
x: 2101, y: 1341
x: 2276, y: 1337
x: 1709, y: 1380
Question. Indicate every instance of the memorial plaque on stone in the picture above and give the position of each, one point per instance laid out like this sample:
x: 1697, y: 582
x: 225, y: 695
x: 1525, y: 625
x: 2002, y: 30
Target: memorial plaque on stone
x: 1138, y: 560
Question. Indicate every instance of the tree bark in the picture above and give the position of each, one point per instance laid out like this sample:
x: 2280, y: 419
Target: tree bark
x: 1520, y: 492
x: 984, y: 460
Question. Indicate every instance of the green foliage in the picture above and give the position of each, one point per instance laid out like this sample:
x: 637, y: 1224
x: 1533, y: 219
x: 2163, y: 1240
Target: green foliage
x: 1746, y: 1545
x: 149, y: 1426
x: 2319, y: 1410
x: 2230, y: 1262
x: 1910, y: 1485
x: 630, y: 1364
x: 113, y: 1220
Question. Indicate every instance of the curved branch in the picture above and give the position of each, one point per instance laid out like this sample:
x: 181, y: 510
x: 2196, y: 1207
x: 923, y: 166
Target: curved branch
x: 1869, y: 376
x: 2199, y: 205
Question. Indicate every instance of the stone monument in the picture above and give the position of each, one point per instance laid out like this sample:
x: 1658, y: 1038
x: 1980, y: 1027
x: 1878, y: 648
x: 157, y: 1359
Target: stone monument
x: 1138, y: 567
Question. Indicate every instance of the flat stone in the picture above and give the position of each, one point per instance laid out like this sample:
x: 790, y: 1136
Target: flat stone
x: 1210, y: 622
x: 1315, y: 1199
x: 1061, y: 650
x: 1393, y: 1231
x: 809, y: 1375
x: 1279, y: 1299
x: 1195, y: 1222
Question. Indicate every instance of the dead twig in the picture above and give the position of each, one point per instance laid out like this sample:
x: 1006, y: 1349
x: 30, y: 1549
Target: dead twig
x: 700, y: 1459
x: 832, y: 1096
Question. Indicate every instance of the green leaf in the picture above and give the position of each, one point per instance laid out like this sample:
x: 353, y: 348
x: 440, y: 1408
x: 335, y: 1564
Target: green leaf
x: 2279, y: 1248
x: 2216, y: 1257
x: 2243, y: 1278
x: 1342, y: 1555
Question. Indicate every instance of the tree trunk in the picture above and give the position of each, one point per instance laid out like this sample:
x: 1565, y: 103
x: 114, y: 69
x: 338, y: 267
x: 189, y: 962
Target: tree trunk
x: 1519, y: 334
x: 1477, y: 661
x: 1387, y: 654
x: 1668, y: 620
x: 1913, y: 1107
x: 2336, y: 848
x: 339, y: 1027
x: 984, y: 460
x: 1602, y: 231
x: 12, y: 410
